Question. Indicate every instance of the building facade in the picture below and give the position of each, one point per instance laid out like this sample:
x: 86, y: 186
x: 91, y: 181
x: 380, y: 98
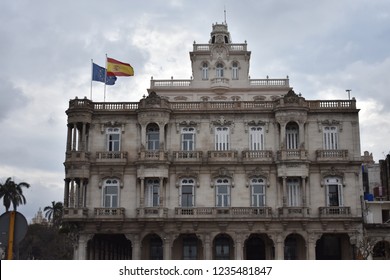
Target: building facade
x: 376, y: 207
x: 220, y: 166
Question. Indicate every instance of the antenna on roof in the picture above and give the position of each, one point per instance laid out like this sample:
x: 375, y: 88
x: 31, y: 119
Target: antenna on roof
x: 349, y: 93
x: 224, y: 12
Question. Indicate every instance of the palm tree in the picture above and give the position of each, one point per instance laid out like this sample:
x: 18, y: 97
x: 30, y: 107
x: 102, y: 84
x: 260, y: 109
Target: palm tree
x: 12, y: 193
x: 54, y: 213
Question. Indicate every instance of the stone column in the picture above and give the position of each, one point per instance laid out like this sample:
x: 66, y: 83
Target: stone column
x: 284, y: 191
x: 167, y: 247
x: 82, y: 247
x: 238, y: 247
x: 69, y: 138
x: 142, y: 192
x: 83, y: 137
x: 282, y: 136
x: 66, y: 193
x: 74, y: 137
x: 207, y: 248
x: 304, y: 194
x: 279, y: 248
x: 311, y: 247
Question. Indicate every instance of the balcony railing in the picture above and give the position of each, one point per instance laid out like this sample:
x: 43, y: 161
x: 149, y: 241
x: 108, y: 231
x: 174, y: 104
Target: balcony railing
x: 293, y: 212
x: 263, y: 155
x: 222, y: 155
x: 238, y: 212
x: 111, y: 156
x: 334, y: 211
x: 75, y: 213
x: 127, y: 107
x: 153, y: 155
x: 109, y: 213
x: 298, y: 154
x: 77, y: 156
x: 152, y: 212
x: 187, y: 156
x: 219, y: 85
x: 324, y: 155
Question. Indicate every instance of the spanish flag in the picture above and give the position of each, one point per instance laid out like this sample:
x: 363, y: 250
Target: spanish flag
x: 117, y: 68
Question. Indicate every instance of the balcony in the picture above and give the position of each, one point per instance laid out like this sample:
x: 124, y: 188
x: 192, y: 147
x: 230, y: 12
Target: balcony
x: 214, y: 212
x: 293, y: 212
x: 154, y: 155
x: 261, y: 155
x: 75, y: 213
x: 152, y: 212
x: 75, y: 156
x: 109, y: 213
x: 219, y: 85
x: 331, y: 155
x: 218, y: 156
x: 334, y: 212
x: 111, y: 157
x: 286, y: 155
x: 187, y: 156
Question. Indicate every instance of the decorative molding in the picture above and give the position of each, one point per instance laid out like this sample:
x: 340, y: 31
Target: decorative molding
x: 187, y: 123
x: 323, y: 123
x: 256, y: 123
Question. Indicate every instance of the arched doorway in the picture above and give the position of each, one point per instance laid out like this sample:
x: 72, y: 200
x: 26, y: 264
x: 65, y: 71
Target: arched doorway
x: 294, y: 247
x: 258, y: 247
x: 334, y: 247
x: 223, y: 247
x: 152, y: 247
x: 109, y: 247
x: 187, y: 247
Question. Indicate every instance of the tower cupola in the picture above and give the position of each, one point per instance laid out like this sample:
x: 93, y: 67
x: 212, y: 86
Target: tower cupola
x: 220, y: 34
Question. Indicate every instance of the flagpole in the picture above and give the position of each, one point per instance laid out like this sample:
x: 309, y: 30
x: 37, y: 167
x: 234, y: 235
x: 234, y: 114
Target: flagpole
x: 91, y: 77
x: 105, y: 80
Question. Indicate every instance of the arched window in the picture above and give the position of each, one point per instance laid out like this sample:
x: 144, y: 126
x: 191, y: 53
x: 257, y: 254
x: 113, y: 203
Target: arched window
x: 256, y: 138
x: 153, y: 137
x: 222, y: 138
x: 257, y: 186
x: 219, y: 72
x: 235, y: 71
x: 111, y: 193
x: 292, y: 136
x: 188, y: 138
x: 187, y: 192
x: 222, y: 192
x: 205, y: 71
x: 334, y: 191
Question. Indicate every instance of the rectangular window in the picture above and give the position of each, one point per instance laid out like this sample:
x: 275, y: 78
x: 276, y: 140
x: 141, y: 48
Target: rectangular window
x: 256, y: 138
x: 222, y: 138
x: 335, y: 195
x: 113, y: 139
x: 187, y: 197
x: 111, y: 197
x: 188, y: 139
x: 330, y: 138
x: 152, y: 193
x: 294, y: 192
x: 258, y: 195
x: 223, y: 196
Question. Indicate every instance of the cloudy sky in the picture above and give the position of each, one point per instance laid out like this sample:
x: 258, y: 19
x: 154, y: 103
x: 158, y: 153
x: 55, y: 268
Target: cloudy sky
x: 325, y: 47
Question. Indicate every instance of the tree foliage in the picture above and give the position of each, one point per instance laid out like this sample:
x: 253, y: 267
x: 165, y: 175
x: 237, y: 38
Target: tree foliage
x: 54, y: 213
x: 12, y: 193
x: 45, y: 243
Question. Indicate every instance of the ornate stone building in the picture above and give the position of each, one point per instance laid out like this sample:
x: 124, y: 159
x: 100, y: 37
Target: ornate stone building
x: 220, y: 166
